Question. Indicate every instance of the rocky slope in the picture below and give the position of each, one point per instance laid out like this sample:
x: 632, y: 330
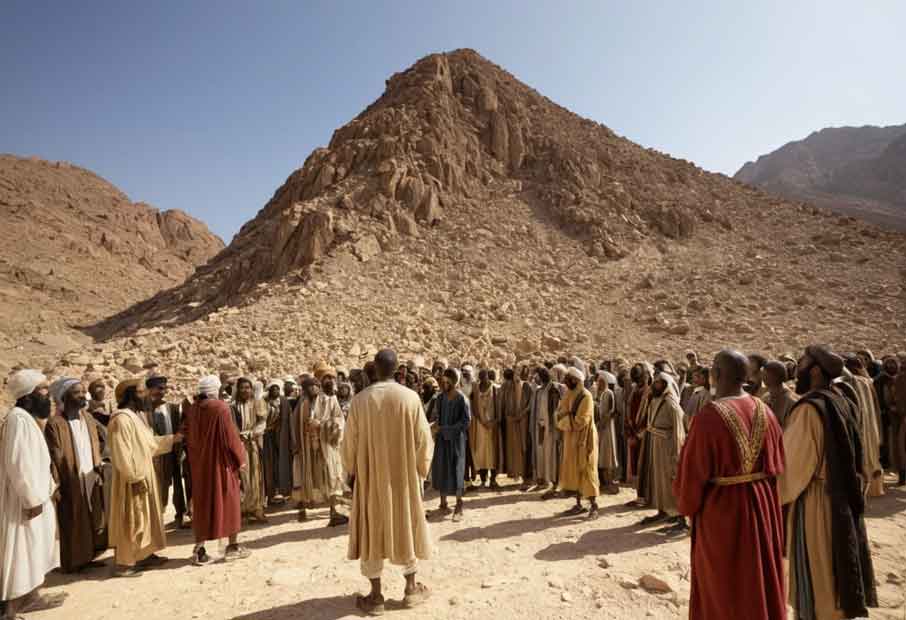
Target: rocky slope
x: 75, y: 249
x: 858, y: 171
x: 464, y: 215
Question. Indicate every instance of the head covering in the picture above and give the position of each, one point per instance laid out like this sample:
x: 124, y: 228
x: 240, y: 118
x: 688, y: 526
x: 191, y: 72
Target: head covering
x: 122, y: 386
x: 23, y: 382
x: 289, y: 380
x: 59, y: 388
x: 667, y: 378
x: 342, y: 370
x: 323, y: 369
x: 577, y: 374
x: 156, y: 381
x: 609, y: 377
x: 274, y: 383
x: 209, y: 386
x: 308, y: 382
x: 430, y: 381
x: 455, y: 372
x: 559, y: 372
x: 827, y: 360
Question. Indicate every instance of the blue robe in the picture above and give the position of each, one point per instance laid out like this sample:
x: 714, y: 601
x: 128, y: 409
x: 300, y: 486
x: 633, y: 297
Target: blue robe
x: 448, y: 468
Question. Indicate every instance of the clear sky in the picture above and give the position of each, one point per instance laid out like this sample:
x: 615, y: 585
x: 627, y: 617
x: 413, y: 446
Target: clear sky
x: 209, y: 106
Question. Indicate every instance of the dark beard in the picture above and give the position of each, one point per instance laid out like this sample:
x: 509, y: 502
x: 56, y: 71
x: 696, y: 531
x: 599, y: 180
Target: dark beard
x: 657, y: 393
x: 803, y: 384
x: 40, y: 407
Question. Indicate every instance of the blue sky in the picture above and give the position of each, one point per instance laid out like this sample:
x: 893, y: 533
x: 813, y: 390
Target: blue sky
x: 208, y: 107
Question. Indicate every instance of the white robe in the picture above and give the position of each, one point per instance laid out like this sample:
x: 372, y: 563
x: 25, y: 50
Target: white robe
x: 28, y: 549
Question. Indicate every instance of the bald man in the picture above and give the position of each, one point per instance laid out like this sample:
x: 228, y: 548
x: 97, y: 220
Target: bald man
x: 726, y: 482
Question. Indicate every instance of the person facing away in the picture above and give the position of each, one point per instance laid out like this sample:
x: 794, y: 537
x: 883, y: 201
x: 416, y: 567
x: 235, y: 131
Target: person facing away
x: 216, y: 457
x: 448, y: 468
x: 75, y: 455
x: 831, y: 573
x: 28, y: 521
x: 387, y: 451
x: 726, y: 483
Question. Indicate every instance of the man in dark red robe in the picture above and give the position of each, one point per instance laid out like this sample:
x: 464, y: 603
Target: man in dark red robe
x: 726, y: 482
x: 216, y: 455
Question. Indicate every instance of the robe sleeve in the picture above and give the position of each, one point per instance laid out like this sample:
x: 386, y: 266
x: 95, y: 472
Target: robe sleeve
x: 349, y: 445
x: 424, y: 445
x: 697, y: 466
x: 19, y: 465
x: 55, y: 447
x: 260, y: 419
x: 164, y: 444
x: 125, y: 460
x: 801, y: 441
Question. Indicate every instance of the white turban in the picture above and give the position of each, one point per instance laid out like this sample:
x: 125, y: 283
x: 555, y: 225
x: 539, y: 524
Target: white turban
x: 289, y: 380
x: 467, y: 368
x: 577, y: 374
x: 608, y: 377
x: 274, y: 382
x: 24, y: 382
x: 667, y: 378
x: 209, y: 386
x: 59, y: 388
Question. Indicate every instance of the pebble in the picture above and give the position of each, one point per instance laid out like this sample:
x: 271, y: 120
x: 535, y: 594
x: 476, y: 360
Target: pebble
x: 894, y: 578
x: 555, y: 583
x: 566, y: 597
x: 654, y: 584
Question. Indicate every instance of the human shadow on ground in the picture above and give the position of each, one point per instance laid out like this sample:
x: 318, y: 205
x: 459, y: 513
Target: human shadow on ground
x: 104, y: 573
x: 326, y: 608
x: 892, y: 502
x: 600, y: 542
x: 515, y: 527
x: 321, y: 532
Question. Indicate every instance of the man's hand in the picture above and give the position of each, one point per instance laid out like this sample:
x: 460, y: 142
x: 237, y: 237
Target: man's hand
x: 30, y: 513
x: 178, y: 438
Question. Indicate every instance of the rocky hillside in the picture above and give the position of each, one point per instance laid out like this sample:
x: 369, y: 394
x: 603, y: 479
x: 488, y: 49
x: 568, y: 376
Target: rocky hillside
x: 858, y: 171
x: 75, y: 249
x: 463, y: 214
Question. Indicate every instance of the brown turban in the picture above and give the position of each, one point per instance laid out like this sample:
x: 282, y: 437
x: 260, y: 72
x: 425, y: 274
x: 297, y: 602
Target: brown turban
x: 827, y: 360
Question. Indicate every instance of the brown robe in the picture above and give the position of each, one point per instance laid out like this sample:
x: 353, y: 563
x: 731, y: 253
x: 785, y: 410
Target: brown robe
x: 515, y: 412
x: 80, y: 519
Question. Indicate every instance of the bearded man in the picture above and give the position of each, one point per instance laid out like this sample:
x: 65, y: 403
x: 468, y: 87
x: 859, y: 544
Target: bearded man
x: 136, y: 516
x: 452, y: 415
x: 278, y: 468
x: 665, y: 434
x: 485, y: 439
x: 28, y: 521
x: 250, y: 415
x: 831, y: 572
x: 579, y: 466
x: 75, y: 456
x: 545, y: 434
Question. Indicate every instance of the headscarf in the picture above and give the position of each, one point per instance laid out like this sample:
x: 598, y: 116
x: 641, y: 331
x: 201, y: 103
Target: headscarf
x: 209, y: 386
x: 23, y: 382
x: 827, y: 360
x: 608, y: 377
x: 559, y: 372
x: 577, y: 374
x: 288, y: 380
x: 274, y: 383
x: 59, y: 388
x: 156, y: 381
x: 430, y: 381
x: 323, y: 369
x: 667, y: 378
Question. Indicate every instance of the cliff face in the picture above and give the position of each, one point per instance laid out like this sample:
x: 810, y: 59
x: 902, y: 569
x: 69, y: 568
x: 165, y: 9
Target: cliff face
x: 464, y: 215
x: 74, y: 249
x: 859, y: 171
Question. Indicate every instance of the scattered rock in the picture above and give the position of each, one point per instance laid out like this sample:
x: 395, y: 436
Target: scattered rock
x: 654, y: 584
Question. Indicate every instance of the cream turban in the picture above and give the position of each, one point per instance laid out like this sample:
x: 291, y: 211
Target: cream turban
x: 24, y: 382
x: 559, y: 372
x: 577, y: 374
x: 274, y: 382
x: 59, y: 388
x: 209, y: 386
x: 289, y: 380
x: 607, y: 376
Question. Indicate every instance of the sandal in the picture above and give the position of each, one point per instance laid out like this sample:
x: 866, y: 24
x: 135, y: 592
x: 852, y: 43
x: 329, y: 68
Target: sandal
x: 574, y: 511
x: 370, y: 606
x: 236, y: 552
x: 337, y: 519
x: 414, y: 599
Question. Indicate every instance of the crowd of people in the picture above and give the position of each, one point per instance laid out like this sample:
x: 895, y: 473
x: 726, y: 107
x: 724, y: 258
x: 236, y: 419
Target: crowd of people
x: 764, y: 460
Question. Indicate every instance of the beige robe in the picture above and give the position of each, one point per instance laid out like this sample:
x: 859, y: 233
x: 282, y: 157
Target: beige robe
x: 387, y: 448
x: 869, y: 414
x: 579, y: 463
x: 782, y: 404
x: 486, y: 437
x: 803, y: 440
x: 607, y: 441
x: 666, y: 436
x: 253, y: 414
x: 136, y: 519
x: 321, y: 426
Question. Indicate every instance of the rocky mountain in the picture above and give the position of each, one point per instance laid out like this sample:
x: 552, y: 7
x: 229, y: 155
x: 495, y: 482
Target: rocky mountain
x: 75, y: 249
x: 465, y: 215
x: 858, y: 171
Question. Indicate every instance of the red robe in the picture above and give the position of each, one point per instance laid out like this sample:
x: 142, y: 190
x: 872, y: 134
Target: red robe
x: 737, y: 530
x: 215, y: 455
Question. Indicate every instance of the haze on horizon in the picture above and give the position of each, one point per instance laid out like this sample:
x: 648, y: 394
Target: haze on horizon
x: 208, y: 107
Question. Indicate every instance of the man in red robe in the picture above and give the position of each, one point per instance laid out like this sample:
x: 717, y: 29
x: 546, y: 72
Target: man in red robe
x: 216, y: 455
x: 726, y: 482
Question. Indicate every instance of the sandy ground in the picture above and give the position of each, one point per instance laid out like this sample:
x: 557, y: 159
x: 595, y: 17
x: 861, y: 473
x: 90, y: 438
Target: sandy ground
x: 510, y: 557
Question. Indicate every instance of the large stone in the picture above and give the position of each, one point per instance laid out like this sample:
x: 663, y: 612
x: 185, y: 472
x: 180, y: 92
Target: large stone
x: 366, y: 248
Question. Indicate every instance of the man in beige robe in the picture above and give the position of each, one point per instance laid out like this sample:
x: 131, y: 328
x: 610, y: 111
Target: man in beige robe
x: 607, y: 441
x: 579, y: 465
x: 804, y: 488
x: 666, y: 433
x: 484, y: 432
x: 136, y: 519
x: 387, y: 450
x: 869, y: 417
